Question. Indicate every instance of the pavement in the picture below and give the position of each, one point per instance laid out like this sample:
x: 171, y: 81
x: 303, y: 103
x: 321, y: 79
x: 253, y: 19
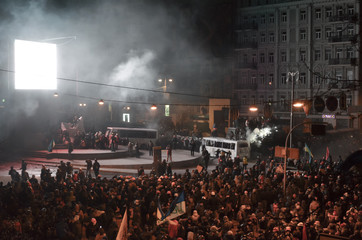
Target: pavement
x: 112, y: 163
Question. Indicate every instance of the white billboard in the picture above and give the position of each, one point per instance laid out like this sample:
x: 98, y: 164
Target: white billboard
x: 35, y: 65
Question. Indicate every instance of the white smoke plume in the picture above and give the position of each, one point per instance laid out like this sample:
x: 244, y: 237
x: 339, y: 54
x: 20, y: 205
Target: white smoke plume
x: 257, y: 135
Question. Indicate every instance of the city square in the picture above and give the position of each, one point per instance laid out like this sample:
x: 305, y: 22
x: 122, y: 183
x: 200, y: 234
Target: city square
x: 180, y: 120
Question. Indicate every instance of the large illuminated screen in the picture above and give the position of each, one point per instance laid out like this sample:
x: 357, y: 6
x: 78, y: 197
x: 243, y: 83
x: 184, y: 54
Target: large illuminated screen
x: 35, y: 65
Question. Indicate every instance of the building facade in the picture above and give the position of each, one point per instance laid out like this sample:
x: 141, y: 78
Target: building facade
x: 305, y: 50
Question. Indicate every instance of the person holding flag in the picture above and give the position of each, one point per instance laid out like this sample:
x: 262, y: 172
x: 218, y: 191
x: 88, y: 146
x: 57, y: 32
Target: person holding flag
x: 51, y: 145
x: 307, y: 150
x: 177, y: 208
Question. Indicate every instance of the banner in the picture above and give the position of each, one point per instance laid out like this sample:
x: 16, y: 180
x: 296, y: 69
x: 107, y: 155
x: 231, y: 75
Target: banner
x: 177, y: 208
x: 122, y: 232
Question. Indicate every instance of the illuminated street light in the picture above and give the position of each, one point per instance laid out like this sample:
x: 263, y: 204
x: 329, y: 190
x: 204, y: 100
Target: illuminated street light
x: 153, y: 107
x: 101, y: 102
x: 56, y: 95
x: 298, y: 104
x: 170, y: 80
x: 253, y: 108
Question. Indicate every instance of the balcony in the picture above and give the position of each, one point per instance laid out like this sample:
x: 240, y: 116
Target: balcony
x: 247, y: 26
x: 244, y: 45
x: 247, y: 65
x: 343, y: 61
x: 344, y: 18
x: 342, y: 38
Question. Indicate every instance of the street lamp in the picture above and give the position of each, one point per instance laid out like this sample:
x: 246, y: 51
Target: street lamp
x: 165, y: 80
x: 292, y: 75
x: 153, y: 107
x: 253, y: 108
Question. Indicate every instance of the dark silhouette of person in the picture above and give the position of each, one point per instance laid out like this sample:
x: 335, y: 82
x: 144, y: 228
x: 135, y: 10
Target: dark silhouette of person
x: 150, y: 148
x: 96, y: 167
x: 193, y: 145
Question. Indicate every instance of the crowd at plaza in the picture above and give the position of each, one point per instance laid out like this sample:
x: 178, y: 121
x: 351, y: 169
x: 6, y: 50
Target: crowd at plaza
x: 225, y: 203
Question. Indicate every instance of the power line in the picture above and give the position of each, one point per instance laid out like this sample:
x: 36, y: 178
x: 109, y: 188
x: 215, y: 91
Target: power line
x: 124, y: 87
x: 148, y: 103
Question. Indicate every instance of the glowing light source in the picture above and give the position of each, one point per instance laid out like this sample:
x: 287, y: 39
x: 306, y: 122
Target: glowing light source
x: 56, y: 95
x: 82, y: 104
x: 253, y: 108
x: 101, y: 102
x: 298, y: 104
x: 35, y: 65
x: 153, y: 107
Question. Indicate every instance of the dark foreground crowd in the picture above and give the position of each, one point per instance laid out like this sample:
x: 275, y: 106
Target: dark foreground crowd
x: 224, y: 203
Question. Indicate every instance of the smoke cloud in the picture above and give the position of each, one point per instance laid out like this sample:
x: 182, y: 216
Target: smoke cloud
x: 257, y: 135
x: 126, y: 43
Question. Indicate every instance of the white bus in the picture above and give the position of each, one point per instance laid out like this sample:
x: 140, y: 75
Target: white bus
x: 239, y: 148
x: 142, y: 136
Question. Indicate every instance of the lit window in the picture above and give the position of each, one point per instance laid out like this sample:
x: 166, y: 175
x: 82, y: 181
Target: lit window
x: 126, y: 117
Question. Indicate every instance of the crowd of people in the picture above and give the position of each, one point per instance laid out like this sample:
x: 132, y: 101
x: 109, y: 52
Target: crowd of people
x: 229, y: 202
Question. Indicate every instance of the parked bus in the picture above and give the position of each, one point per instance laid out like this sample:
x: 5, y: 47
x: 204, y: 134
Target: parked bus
x: 142, y: 136
x: 239, y: 148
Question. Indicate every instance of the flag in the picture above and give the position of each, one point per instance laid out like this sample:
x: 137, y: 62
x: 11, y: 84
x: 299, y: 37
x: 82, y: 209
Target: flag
x: 122, y: 232
x: 177, y: 208
x: 51, y: 145
x: 306, y: 149
x: 304, y: 234
x: 327, y: 153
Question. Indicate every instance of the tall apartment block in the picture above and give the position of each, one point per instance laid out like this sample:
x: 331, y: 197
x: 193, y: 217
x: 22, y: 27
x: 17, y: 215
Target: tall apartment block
x: 298, y: 50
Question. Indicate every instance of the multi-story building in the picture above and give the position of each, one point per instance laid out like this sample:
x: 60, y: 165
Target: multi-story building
x: 310, y: 46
